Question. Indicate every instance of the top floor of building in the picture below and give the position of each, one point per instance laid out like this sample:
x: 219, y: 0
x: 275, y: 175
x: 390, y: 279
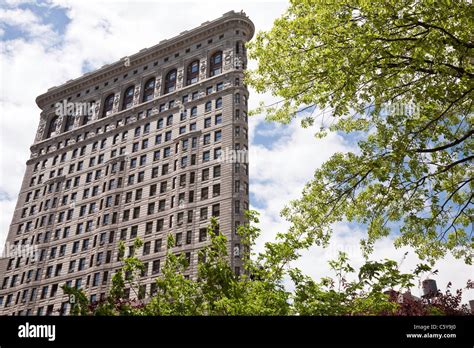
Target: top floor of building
x: 192, y: 58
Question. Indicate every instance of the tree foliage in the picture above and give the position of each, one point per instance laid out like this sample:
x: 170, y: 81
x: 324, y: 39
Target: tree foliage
x: 260, y: 290
x: 398, y: 76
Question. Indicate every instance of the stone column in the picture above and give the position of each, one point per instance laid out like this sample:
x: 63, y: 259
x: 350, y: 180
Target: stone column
x: 95, y: 111
x: 41, y: 128
x: 228, y: 59
x: 59, y: 125
x: 180, y: 78
x: 78, y: 117
x: 136, y: 95
x: 202, y: 68
x: 116, y: 103
x: 157, y: 91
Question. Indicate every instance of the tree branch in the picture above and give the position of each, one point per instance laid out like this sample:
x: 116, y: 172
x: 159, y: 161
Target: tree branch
x: 458, y: 41
x: 446, y: 146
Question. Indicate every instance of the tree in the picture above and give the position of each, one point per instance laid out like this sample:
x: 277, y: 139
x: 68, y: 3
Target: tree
x: 398, y: 75
x: 217, y: 290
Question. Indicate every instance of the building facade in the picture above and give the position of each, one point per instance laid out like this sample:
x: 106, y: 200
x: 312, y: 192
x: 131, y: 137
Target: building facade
x: 133, y: 149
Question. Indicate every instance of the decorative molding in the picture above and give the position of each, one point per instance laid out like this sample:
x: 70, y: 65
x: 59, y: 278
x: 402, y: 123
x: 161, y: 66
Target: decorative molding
x: 41, y: 129
x: 228, y: 56
x: 202, y: 68
x: 225, y: 22
x: 116, y: 103
x: 179, y: 77
x: 91, y: 127
x: 238, y: 63
x: 157, y: 91
x: 95, y: 115
x: 77, y: 118
x: 136, y: 95
x: 59, y: 125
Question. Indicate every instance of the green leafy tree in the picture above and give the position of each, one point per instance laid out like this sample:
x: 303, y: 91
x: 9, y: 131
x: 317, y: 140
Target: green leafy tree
x: 398, y: 76
x: 217, y: 290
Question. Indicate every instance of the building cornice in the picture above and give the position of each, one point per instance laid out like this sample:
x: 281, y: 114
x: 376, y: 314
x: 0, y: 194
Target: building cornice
x: 145, y: 55
x: 132, y: 112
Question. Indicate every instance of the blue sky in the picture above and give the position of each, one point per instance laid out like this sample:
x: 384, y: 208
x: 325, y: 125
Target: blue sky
x: 55, y: 16
x: 46, y: 43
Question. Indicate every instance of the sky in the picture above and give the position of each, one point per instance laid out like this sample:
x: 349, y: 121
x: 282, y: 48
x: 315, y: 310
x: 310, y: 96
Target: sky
x: 45, y: 43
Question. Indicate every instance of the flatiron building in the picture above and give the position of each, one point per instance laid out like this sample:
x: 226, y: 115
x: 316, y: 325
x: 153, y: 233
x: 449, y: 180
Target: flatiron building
x: 137, y: 148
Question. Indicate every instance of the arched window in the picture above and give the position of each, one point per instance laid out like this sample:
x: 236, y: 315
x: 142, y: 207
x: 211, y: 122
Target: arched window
x: 170, y: 81
x: 192, y: 73
x: 128, y: 98
x: 194, y: 111
x: 52, y: 126
x: 149, y: 90
x: 108, y: 105
x: 208, y: 106
x: 216, y: 64
x: 218, y: 103
x: 69, y: 123
x: 237, y: 47
x: 237, y: 98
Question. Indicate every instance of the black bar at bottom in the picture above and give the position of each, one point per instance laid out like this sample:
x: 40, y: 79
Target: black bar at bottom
x: 225, y: 331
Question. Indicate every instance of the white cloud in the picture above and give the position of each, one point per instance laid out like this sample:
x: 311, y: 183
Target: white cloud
x: 27, y: 22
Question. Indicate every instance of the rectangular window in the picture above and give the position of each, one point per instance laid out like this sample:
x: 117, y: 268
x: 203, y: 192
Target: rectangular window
x: 203, y: 213
x: 158, y: 139
x: 206, y: 156
x: 156, y: 267
x: 179, y: 239
x: 189, y: 236
x: 159, y: 225
x: 204, y: 193
x: 202, y: 234
x: 216, y: 210
x: 217, y: 171
x: 216, y: 190
x: 158, y: 243
x: 146, y: 248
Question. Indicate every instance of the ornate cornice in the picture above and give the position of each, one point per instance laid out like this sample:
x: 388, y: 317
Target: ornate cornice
x: 132, y: 112
x: 162, y: 49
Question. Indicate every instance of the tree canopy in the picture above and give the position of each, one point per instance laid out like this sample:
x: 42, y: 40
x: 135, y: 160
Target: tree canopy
x: 379, y: 288
x: 398, y: 77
